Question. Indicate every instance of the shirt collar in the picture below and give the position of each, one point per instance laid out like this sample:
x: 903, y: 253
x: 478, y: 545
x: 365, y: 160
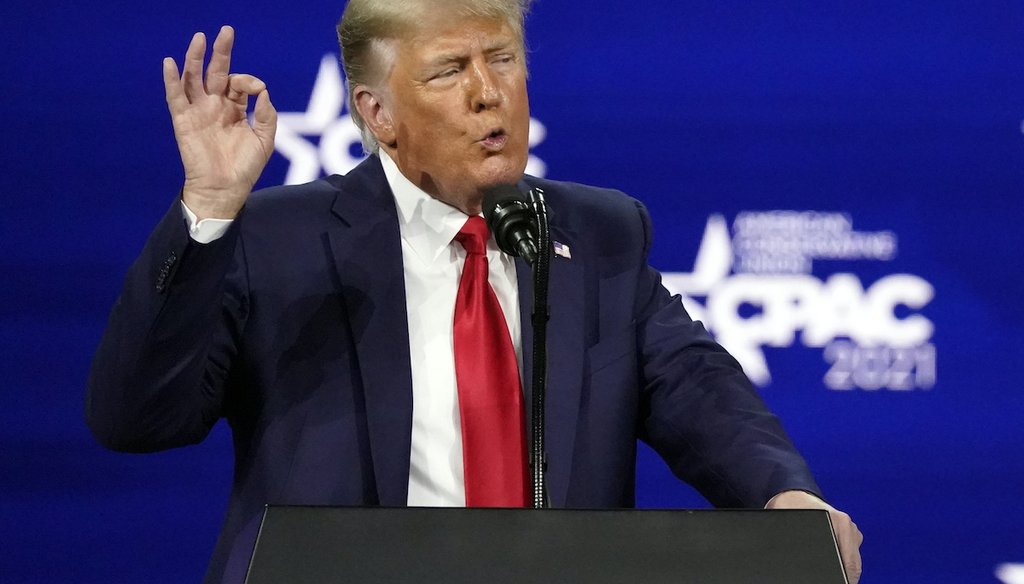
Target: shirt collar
x: 426, y: 224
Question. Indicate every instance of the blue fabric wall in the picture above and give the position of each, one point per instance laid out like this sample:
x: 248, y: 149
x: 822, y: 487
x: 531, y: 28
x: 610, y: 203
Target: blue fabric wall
x: 758, y: 134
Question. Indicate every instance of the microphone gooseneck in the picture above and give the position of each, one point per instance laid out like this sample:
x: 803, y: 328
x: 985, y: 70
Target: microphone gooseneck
x: 520, y: 227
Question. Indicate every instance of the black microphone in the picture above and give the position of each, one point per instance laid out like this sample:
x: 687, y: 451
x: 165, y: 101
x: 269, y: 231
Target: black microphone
x: 512, y: 221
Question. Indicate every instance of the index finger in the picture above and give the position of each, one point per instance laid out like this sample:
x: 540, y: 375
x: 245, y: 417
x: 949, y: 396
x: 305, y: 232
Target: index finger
x: 220, y: 61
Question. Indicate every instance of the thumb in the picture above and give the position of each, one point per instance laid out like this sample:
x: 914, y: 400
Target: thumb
x: 264, y: 121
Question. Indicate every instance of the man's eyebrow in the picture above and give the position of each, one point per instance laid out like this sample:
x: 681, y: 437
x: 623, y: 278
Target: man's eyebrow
x: 446, y: 57
x: 443, y: 59
x: 499, y: 45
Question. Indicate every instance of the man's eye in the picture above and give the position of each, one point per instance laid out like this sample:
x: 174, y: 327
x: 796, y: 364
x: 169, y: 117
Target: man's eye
x: 446, y: 73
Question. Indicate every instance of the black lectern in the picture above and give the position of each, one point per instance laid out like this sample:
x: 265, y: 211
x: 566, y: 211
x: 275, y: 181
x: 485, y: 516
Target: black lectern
x: 328, y: 545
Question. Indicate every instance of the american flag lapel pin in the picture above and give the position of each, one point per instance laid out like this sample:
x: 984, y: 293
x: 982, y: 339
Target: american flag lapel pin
x: 562, y: 250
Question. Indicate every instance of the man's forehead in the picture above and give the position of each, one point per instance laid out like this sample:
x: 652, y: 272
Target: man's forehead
x: 467, y: 34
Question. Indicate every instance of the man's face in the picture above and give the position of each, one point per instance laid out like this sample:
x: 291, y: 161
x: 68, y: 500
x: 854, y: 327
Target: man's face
x: 459, y: 111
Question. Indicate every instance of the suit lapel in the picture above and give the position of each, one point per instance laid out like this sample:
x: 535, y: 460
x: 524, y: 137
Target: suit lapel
x: 565, y: 360
x: 367, y: 249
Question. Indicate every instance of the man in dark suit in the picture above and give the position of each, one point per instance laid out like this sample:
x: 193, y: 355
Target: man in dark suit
x: 318, y: 320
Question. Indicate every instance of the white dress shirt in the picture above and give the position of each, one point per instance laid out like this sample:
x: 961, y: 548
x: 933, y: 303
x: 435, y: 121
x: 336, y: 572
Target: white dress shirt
x: 432, y: 263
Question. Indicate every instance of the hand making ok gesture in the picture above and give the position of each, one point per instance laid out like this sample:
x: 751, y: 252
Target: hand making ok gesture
x: 222, y: 154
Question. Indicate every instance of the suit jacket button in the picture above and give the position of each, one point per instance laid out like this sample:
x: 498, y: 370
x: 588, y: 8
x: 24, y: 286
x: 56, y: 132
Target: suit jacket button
x: 161, y: 279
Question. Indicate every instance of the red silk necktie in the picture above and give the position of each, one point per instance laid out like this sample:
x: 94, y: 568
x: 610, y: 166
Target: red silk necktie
x: 487, y: 375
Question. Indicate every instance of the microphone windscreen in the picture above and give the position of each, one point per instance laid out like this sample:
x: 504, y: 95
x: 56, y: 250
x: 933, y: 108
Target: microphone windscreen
x: 500, y: 195
x: 512, y: 221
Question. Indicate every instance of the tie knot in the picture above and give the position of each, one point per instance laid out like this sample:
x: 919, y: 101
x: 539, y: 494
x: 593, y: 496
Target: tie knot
x: 473, y: 235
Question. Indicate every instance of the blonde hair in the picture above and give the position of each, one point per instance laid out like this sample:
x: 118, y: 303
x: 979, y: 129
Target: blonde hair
x: 367, y: 25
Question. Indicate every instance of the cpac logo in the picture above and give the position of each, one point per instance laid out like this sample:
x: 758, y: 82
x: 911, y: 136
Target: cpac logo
x: 339, y: 149
x: 759, y: 292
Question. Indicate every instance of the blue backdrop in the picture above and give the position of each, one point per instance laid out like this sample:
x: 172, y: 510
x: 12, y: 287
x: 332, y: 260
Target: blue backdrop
x: 836, y: 189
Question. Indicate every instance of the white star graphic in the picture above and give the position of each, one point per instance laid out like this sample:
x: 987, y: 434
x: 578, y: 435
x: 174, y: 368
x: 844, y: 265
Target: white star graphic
x: 1011, y: 573
x: 326, y: 117
x: 714, y: 265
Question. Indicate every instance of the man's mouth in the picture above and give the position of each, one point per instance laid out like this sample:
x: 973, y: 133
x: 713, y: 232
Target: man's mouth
x: 495, y: 140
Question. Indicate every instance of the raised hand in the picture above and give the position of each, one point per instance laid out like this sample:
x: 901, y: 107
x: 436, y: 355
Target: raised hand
x: 222, y: 154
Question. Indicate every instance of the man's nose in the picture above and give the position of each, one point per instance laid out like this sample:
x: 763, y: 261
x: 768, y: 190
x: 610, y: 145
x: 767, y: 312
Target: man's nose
x: 485, y: 93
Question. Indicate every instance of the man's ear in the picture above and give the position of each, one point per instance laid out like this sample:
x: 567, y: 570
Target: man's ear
x: 375, y: 114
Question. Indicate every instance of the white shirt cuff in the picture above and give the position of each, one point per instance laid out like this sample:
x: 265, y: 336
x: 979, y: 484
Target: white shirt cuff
x: 206, y: 230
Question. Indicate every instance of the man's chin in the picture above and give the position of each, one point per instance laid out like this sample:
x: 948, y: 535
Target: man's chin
x: 501, y: 171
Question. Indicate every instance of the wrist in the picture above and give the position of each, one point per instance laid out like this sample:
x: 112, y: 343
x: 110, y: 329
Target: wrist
x: 213, y: 203
x: 794, y: 499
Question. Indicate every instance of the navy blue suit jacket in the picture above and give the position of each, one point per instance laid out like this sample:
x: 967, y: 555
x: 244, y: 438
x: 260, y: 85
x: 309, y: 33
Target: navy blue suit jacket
x: 293, y: 327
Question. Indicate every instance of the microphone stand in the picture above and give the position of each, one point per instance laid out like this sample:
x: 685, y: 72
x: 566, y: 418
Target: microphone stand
x: 541, y: 314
